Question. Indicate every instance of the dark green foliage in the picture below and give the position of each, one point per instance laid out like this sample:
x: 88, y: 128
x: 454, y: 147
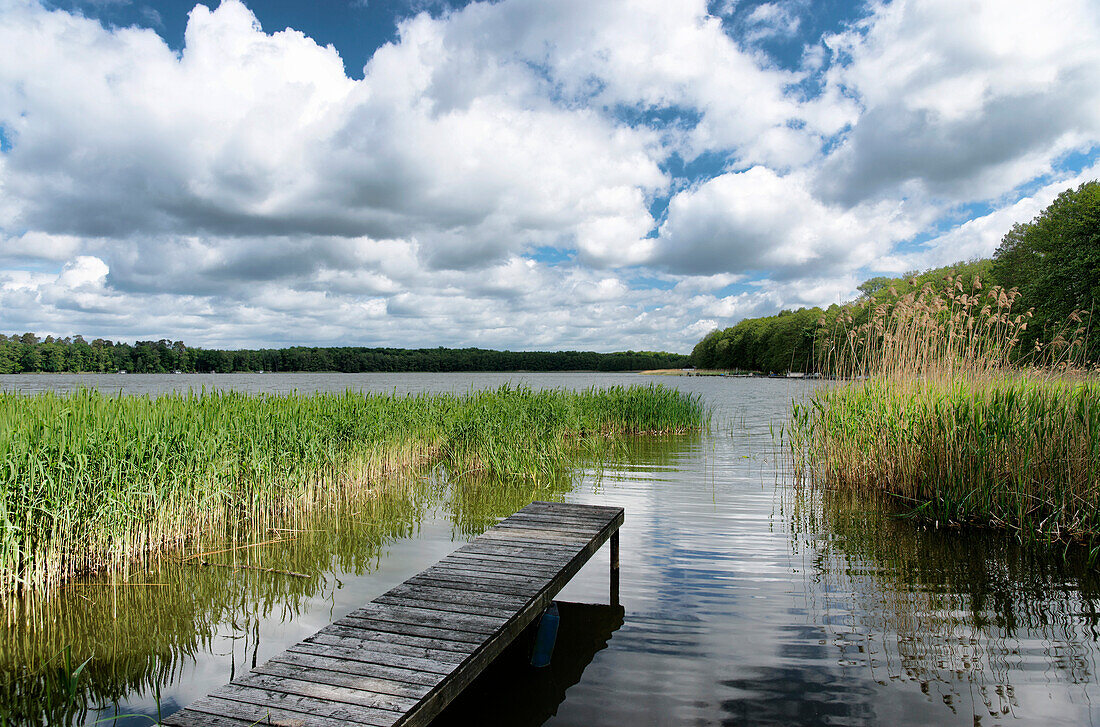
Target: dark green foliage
x: 26, y: 353
x: 874, y: 285
x: 779, y: 343
x: 1054, y: 260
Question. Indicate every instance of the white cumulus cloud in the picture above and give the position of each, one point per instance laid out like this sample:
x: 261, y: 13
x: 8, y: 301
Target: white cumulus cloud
x: 522, y: 173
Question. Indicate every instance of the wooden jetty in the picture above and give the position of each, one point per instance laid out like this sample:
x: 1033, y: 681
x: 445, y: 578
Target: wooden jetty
x: 400, y: 659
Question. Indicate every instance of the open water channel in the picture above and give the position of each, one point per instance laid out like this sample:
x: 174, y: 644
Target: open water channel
x: 741, y: 604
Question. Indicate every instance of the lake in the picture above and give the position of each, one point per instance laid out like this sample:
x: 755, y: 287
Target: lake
x: 742, y: 603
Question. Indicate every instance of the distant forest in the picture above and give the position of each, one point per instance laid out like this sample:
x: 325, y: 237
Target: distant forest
x: 1054, y: 262
x: 28, y: 353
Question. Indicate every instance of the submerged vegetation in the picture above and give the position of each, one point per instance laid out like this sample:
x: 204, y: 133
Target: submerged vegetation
x: 89, y: 481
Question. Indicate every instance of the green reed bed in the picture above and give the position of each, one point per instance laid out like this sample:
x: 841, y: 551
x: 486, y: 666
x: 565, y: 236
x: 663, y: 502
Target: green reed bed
x: 1017, y: 452
x: 944, y: 417
x: 89, y: 481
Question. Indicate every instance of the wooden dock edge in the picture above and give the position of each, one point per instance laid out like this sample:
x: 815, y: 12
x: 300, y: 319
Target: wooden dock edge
x: 438, y: 699
x: 541, y: 533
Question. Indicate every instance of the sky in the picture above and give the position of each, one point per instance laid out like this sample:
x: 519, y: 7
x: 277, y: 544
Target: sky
x: 524, y: 174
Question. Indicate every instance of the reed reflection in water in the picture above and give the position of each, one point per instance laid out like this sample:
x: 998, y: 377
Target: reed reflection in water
x: 153, y: 637
x: 972, y: 617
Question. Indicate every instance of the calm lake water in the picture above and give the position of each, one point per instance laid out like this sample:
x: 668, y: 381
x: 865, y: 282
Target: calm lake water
x: 741, y: 603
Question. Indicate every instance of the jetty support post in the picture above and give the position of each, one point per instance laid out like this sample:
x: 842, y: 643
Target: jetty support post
x: 615, y: 568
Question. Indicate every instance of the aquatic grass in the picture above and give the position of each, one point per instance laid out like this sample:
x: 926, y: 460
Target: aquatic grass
x: 90, y: 481
x: 1019, y: 452
x: 944, y: 418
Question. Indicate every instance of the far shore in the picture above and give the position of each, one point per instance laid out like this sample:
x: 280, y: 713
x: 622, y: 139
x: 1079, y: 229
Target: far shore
x: 695, y: 372
x: 733, y: 373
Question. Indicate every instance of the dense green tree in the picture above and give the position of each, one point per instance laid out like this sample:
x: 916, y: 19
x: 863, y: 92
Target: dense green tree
x: 1054, y: 261
x: 53, y: 356
x: 9, y: 358
x: 30, y: 358
x: 27, y: 353
x: 874, y: 285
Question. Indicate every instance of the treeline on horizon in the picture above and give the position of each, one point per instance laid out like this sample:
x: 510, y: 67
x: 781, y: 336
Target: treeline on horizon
x: 1053, y: 261
x: 27, y: 353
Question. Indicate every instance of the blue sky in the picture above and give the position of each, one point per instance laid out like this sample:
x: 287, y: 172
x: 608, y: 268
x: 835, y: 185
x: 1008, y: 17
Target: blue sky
x: 523, y: 174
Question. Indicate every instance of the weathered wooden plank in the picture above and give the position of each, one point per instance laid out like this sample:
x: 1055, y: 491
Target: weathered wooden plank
x: 263, y: 715
x: 572, y: 507
x: 474, y: 582
x: 594, y: 522
x: 501, y: 562
x: 500, y: 571
x: 263, y: 700
x: 481, y: 572
x: 514, y: 551
x: 382, y: 652
x: 457, y: 595
x: 414, y: 630
x: 544, y: 550
x: 458, y: 569
x: 292, y: 662
x: 536, y: 548
x: 358, y: 664
x: 427, y: 665
x: 426, y: 616
x: 470, y: 609
x: 527, y: 551
x: 369, y: 638
x: 428, y: 611
x: 567, y: 529
x: 189, y: 718
x: 568, y: 508
x: 552, y: 545
x: 533, y: 535
x: 498, y: 551
x: 502, y: 565
x: 476, y: 586
x: 324, y: 685
x: 562, y: 533
x: 309, y: 697
x: 571, y: 530
x: 542, y: 547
